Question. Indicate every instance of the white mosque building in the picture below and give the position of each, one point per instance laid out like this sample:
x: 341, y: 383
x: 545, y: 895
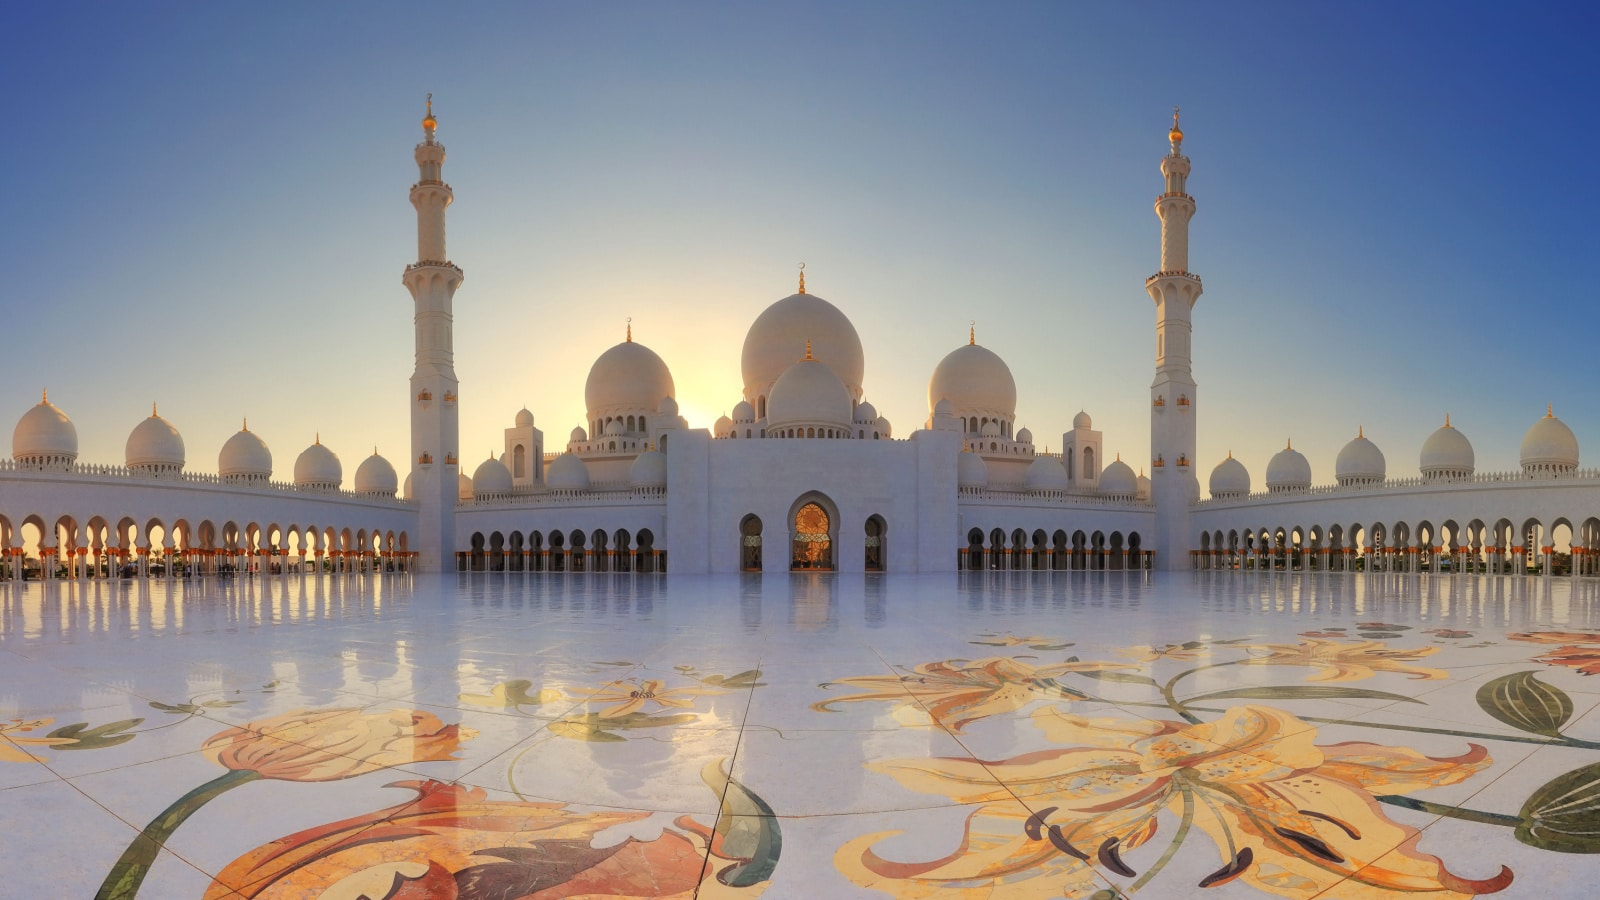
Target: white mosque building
x: 804, y: 475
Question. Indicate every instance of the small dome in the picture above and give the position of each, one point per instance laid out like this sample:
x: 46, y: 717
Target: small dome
x: 567, y: 473
x: 463, y: 487
x: 405, y: 492
x: 628, y: 378
x: 245, y: 456
x: 971, y: 470
x: 155, y: 445
x: 1447, y: 454
x: 944, y: 408
x: 44, y: 434
x: 990, y: 428
x: 1141, y: 488
x: 866, y: 413
x: 667, y: 407
x: 743, y: 412
x: 1118, y: 480
x: 317, y: 466
x: 1230, y: 479
x: 1288, y: 470
x: 579, y: 435
x: 724, y: 425
x: 882, y: 424
x: 777, y: 335
x: 616, y: 428
x: 809, y: 393
x: 1549, y: 447
x: 1360, y: 462
x: 649, y: 470
x: 976, y: 382
x: 1082, y: 420
x: 1024, y: 436
x: 376, y: 476
x: 524, y: 418
x: 1046, y: 473
x: 491, y: 478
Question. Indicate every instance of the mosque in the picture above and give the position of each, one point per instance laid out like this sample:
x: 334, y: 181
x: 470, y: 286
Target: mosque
x: 805, y: 475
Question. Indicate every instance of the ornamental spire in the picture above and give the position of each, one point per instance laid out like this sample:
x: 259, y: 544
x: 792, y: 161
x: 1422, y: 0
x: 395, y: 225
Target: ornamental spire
x: 429, y: 123
x: 972, y: 333
x: 802, y: 278
x: 630, y: 329
x: 1176, y: 134
x: 809, y: 357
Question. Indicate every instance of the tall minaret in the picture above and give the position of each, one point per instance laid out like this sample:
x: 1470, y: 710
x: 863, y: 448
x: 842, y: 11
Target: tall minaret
x: 1173, y: 400
x: 432, y: 280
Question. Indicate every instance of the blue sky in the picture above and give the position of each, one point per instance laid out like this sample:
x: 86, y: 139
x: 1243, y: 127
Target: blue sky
x: 206, y: 207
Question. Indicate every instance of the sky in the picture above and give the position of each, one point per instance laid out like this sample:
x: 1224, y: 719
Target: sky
x: 206, y: 207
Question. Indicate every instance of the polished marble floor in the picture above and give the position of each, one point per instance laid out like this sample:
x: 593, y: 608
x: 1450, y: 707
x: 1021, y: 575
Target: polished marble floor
x: 989, y: 735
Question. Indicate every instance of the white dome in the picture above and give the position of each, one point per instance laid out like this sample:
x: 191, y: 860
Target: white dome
x: 406, y: 491
x: 1288, y: 470
x: 649, y: 470
x: 866, y: 413
x: 1082, y: 420
x: 616, y: 428
x: 723, y: 426
x: 491, y: 477
x: 1118, y: 480
x: 667, y: 406
x: 1360, y: 462
x: 1447, y: 454
x: 317, y: 466
x: 1230, y: 478
x: 1549, y: 446
x: 628, y: 378
x: 809, y: 393
x: 463, y: 487
x: 567, y: 473
x: 245, y: 456
x: 990, y: 428
x: 943, y: 408
x: 882, y: 424
x: 154, y: 444
x: 971, y: 470
x: 524, y: 418
x: 44, y: 434
x: 1024, y: 436
x: 376, y: 476
x: 976, y: 382
x: 743, y: 412
x: 579, y: 435
x: 1046, y: 473
x: 1141, y: 489
x: 778, y: 337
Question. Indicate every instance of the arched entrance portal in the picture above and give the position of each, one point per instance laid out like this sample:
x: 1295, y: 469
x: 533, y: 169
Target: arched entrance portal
x: 750, y: 544
x: 812, y: 540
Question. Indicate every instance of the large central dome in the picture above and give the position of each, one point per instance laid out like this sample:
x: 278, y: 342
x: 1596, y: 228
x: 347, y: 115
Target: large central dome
x: 628, y: 378
x: 778, y: 338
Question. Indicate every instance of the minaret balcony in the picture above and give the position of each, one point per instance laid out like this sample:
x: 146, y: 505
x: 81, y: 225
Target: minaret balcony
x: 434, y: 264
x: 1171, y: 195
x: 1188, y: 276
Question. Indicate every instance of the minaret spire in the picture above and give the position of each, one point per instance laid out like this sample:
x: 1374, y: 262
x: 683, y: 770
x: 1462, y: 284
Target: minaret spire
x: 435, y: 428
x: 1172, y: 427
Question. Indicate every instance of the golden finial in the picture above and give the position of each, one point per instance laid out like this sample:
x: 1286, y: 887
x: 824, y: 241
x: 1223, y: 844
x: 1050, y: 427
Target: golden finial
x: 1230, y: 453
x: 153, y: 413
x: 1288, y: 444
x: 1549, y: 410
x: 319, y: 438
x: 972, y: 333
x: 429, y: 123
x: 45, y: 396
x: 1447, y: 420
x: 244, y: 424
x: 630, y: 329
x: 1176, y: 134
x: 1119, y: 456
x: 802, y: 278
x: 1361, y: 431
x: 809, y: 357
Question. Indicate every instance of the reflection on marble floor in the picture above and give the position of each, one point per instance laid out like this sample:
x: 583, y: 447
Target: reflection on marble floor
x: 992, y: 735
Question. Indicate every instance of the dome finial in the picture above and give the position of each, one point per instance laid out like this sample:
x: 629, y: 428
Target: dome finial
x: 809, y: 357
x: 1447, y: 420
x: 972, y: 333
x: 319, y: 438
x: 1230, y: 453
x: 802, y: 278
x: 429, y: 123
x: 630, y: 329
x: 1549, y: 410
x: 153, y: 413
x: 1119, y: 456
x: 1361, y: 431
x: 1176, y: 134
x: 244, y: 424
x: 1288, y: 444
x: 44, y: 396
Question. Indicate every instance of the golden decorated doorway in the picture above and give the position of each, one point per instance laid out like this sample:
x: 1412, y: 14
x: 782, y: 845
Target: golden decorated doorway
x: 812, y: 544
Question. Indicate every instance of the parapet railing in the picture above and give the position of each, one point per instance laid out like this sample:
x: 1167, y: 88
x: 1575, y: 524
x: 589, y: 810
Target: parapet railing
x: 1515, y: 476
x: 602, y: 493
x: 231, y: 482
x: 1059, y: 498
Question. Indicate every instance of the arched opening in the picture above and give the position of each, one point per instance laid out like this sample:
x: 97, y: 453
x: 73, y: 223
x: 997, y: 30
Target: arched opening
x: 1135, y: 551
x: 974, y: 554
x: 1058, y: 549
x: 577, y: 561
x: 750, y: 543
x: 647, y: 551
x: 812, y: 540
x: 519, y: 462
x: 602, y: 558
x: 997, y: 549
x: 476, y: 563
x: 623, y: 542
x: 875, y: 539
x: 1088, y: 463
x: 558, y: 556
